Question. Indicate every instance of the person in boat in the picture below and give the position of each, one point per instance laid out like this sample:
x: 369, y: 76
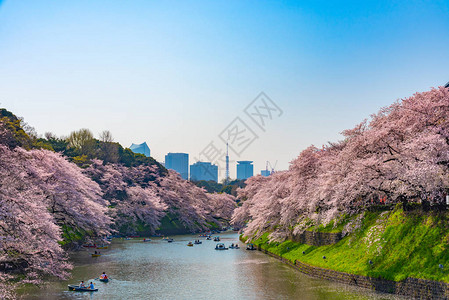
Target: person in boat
x: 96, y: 252
x: 91, y: 286
x: 103, y: 276
x: 82, y: 285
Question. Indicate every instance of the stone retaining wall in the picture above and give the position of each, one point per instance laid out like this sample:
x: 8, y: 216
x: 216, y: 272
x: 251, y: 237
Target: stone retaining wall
x: 317, y: 238
x: 412, y: 287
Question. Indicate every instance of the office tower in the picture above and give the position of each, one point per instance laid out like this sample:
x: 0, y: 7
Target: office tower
x: 245, y: 169
x: 203, y: 171
x: 178, y: 162
x: 141, y: 148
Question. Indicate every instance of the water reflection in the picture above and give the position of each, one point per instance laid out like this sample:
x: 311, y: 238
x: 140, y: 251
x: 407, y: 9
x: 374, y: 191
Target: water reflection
x: 161, y: 270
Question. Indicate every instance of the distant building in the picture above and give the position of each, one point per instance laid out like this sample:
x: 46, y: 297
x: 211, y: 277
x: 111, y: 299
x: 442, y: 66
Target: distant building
x: 245, y: 169
x: 178, y: 162
x: 203, y: 171
x: 140, y: 148
x: 265, y: 173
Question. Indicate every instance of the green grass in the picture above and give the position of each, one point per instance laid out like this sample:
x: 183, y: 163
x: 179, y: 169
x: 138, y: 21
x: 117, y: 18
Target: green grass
x: 170, y: 224
x: 213, y: 226
x: 333, y: 227
x: 71, y: 235
x: 399, y: 244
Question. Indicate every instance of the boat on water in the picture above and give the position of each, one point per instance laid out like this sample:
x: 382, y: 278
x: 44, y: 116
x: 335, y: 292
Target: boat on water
x: 234, y: 246
x: 102, y: 247
x: 96, y: 254
x: 220, y: 246
x: 127, y: 238
x: 251, y: 247
x: 104, y: 279
x: 216, y: 239
x: 170, y: 240
x: 208, y: 238
x: 198, y: 242
x: 146, y: 240
x: 77, y: 288
x: 190, y: 244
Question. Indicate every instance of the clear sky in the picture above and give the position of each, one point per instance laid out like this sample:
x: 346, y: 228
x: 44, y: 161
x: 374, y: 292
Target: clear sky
x: 176, y: 73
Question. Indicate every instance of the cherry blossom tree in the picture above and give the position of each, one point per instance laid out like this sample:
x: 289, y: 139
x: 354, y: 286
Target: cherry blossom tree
x: 401, y: 154
x: 73, y: 199
x: 223, y: 205
x: 144, y: 195
x: 44, y: 196
x: 28, y: 234
x: 132, y: 192
x: 141, y: 205
x: 187, y: 202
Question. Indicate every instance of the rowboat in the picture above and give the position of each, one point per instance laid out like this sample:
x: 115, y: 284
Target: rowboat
x: 95, y: 255
x: 104, y: 279
x: 220, y: 246
x: 190, y: 244
x: 251, y: 247
x: 102, y: 247
x: 76, y: 288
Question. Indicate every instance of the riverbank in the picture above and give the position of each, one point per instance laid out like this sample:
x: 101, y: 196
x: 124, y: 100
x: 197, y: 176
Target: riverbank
x: 395, y: 251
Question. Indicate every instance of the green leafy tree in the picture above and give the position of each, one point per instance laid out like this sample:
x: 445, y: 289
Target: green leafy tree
x: 83, y: 141
x: 108, y: 149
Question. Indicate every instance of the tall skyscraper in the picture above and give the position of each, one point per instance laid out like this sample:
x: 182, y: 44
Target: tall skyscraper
x: 203, y: 171
x: 178, y: 162
x: 245, y: 169
x: 141, y: 148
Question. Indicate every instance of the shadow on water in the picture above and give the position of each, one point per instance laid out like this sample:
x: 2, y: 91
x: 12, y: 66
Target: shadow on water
x: 162, y: 270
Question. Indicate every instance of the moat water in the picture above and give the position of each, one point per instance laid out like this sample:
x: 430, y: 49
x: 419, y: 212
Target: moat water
x: 162, y: 270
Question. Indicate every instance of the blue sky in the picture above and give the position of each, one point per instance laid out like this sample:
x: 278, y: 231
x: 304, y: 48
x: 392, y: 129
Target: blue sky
x: 176, y: 73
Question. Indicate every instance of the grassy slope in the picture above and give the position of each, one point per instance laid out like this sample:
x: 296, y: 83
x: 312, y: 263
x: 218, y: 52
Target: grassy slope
x: 399, y: 244
x: 72, y: 236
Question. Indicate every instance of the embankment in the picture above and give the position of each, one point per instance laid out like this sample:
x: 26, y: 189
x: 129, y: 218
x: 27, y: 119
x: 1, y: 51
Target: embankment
x: 397, y: 251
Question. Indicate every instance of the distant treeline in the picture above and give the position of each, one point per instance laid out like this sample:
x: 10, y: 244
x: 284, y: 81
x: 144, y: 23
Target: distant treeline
x: 215, y: 187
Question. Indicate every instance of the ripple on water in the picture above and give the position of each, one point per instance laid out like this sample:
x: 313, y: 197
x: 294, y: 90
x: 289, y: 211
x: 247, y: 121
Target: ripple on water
x: 161, y: 270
